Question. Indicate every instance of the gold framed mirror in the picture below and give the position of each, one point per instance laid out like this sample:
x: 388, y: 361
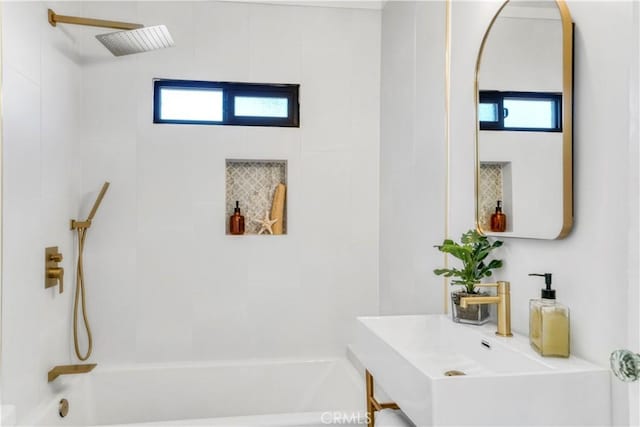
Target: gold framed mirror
x: 524, y: 122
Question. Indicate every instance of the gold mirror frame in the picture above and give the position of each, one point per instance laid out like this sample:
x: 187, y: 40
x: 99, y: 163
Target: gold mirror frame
x: 567, y: 119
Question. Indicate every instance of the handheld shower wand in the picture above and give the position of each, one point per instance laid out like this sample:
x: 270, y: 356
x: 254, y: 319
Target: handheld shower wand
x: 82, y: 227
x: 96, y: 204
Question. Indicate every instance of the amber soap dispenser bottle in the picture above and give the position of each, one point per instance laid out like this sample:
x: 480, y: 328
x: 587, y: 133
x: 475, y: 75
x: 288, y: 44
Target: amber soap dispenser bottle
x: 499, y: 219
x: 236, y: 222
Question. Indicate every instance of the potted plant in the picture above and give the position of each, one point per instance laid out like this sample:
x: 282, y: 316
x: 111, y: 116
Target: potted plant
x: 473, y: 251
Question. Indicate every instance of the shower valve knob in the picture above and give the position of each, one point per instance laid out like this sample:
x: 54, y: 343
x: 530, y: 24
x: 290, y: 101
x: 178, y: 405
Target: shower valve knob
x: 57, y: 275
x: 53, y: 273
x: 55, y: 257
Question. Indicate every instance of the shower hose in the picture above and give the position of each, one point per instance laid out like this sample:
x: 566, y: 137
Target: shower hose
x: 80, y: 297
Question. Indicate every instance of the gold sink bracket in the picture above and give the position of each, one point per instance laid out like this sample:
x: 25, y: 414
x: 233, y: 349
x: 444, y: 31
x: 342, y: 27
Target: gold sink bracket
x: 502, y: 300
x: 373, y: 405
x: 53, y: 273
x: 69, y: 370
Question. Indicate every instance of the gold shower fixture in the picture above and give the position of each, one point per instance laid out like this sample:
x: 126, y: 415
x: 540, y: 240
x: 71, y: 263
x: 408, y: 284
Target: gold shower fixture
x: 82, y: 227
x: 54, y: 19
x: 53, y: 273
x: 135, y: 38
x: 69, y: 370
x: 87, y: 223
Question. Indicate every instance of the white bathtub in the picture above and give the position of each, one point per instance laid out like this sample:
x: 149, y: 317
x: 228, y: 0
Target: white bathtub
x: 237, y: 393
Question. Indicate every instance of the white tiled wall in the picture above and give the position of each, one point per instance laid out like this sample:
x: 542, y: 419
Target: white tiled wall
x: 165, y: 282
x: 41, y: 102
x: 413, y: 157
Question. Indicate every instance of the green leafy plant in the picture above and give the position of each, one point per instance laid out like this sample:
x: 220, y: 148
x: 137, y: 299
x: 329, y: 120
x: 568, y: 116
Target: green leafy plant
x: 472, y: 251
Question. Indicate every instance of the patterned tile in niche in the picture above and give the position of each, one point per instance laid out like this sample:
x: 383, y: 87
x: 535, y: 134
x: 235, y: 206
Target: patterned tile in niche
x: 489, y: 191
x: 252, y: 183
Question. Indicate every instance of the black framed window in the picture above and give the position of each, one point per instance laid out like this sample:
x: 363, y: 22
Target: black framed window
x: 520, y: 111
x: 225, y: 103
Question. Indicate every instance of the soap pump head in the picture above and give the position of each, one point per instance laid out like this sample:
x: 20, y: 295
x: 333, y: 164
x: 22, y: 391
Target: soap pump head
x: 546, y: 293
x: 499, y: 206
x: 237, y: 208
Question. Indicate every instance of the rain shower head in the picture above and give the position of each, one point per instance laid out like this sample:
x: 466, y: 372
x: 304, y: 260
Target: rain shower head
x: 135, y: 39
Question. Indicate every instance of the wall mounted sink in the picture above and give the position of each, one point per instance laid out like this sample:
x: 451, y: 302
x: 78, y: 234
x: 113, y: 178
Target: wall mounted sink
x: 505, y: 382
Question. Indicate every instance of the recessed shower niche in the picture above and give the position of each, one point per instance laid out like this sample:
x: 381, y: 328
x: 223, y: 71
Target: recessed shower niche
x: 260, y: 188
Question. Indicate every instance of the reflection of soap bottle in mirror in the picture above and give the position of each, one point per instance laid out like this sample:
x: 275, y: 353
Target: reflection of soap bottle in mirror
x: 236, y: 222
x: 498, y: 219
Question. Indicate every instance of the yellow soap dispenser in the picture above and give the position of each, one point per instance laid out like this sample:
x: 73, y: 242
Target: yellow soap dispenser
x: 548, y: 322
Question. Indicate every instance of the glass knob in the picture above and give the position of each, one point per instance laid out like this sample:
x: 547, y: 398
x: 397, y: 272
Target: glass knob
x: 626, y: 365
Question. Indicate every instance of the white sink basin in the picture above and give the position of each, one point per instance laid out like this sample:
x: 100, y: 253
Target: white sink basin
x: 505, y: 382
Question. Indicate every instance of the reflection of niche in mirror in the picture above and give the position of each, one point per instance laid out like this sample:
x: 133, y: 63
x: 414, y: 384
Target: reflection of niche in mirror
x: 535, y: 162
x: 495, y: 184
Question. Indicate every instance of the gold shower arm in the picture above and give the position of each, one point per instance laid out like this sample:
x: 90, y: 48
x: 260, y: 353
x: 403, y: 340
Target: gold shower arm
x: 76, y: 20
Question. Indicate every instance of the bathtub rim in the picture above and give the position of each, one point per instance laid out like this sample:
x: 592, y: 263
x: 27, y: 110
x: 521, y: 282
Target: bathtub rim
x: 293, y: 419
x: 66, y: 384
x: 149, y: 366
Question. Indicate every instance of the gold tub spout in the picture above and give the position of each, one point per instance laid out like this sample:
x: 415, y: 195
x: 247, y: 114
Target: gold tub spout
x: 502, y: 300
x: 69, y: 369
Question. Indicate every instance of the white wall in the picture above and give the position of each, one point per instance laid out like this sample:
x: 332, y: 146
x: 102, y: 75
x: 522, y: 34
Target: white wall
x: 412, y: 153
x: 601, y: 176
x: 164, y: 281
x: 523, y: 54
x: 41, y: 102
x: 592, y: 267
x: 633, y: 297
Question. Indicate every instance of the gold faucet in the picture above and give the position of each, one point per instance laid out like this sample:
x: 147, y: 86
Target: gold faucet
x: 502, y: 299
